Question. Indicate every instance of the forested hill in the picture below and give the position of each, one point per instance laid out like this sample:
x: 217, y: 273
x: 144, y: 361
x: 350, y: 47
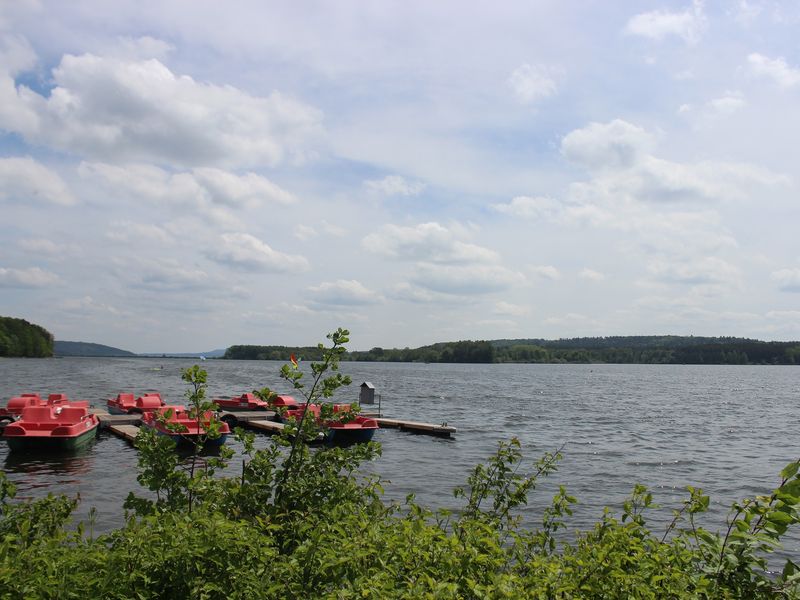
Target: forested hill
x: 20, y: 338
x: 62, y: 348
x: 668, y: 349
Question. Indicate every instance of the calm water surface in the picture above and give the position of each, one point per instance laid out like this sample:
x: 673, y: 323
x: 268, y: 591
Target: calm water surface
x: 727, y: 429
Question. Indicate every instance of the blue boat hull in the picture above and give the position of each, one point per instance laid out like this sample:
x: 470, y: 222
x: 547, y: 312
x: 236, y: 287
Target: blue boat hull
x: 345, y: 437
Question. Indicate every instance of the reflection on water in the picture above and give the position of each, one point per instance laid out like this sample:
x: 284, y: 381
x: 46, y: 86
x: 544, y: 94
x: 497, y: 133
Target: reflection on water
x: 727, y: 429
x: 41, y: 469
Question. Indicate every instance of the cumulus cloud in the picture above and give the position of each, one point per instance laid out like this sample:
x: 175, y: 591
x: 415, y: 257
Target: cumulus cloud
x: 343, y: 292
x: 246, y: 252
x: 727, y: 104
x: 408, y: 292
x: 467, y: 280
x: 248, y: 190
x: 128, y: 110
x: 776, y: 69
x: 545, y: 272
x: 430, y: 242
x: 16, y: 55
x: 40, y: 246
x: 88, y: 306
x: 33, y: 277
x: 304, y: 232
x: 659, y: 24
x: 208, y: 189
x: 539, y: 207
x: 27, y: 181
x: 140, y: 48
x: 591, y: 275
x: 709, y: 270
x: 128, y: 231
x: 508, y: 309
x: 788, y: 279
x: 613, y: 145
x: 531, y: 83
x: 169, y: 275
x: 619, y: 155
x: 395, y: 185
x: 570, y: 319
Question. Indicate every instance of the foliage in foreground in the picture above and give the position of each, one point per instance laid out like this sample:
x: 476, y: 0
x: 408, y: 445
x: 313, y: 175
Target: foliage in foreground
x: 310, y: 524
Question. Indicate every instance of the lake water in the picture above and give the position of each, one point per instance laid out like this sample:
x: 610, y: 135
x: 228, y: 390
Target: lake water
x: 727, y: 429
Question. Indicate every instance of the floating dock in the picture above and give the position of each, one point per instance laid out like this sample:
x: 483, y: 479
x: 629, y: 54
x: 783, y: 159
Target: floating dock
x: 125, y: 426
x: 416, y: 427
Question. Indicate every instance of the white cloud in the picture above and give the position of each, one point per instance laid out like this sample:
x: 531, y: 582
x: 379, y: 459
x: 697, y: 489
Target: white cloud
x: 33, y: 277
x: 395, y: 185
x: 167, y: 275
x: 727, y: 104
x: 129, y: 110
x: 430, y: 242
x: 618, y: 154
x: 776, y: 69
x: 531, y: 83
x: 509, y: 309
x: 746, y: 12
x: 613, y: 145
x: 213, y: 192
x: 788, y: 279
x: 41, y: 246
x: 88, y: 306
x: 591, y: 275
x: 709, y: 270
x: 26, y: 181
x: 140, y: 48
x: 545, y: 272
x: 247, y: 252
x: 527, y: 207
x: 16, y: 55
x: 465, y: 280
x: 343, y: 292
x: 250, y: 190
x: 570, y: 319
x: 128, y: 231
x: 304, y: 232
x: 659, y: 24
x: 407, y: 292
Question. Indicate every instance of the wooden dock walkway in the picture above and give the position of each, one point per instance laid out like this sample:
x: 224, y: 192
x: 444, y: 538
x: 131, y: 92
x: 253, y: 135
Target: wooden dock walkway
x: 126, y: 432
x: 417, y: 427
x: 125, y: 426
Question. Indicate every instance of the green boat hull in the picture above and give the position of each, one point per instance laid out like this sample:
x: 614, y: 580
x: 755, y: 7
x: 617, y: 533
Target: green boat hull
x: 18, y: 443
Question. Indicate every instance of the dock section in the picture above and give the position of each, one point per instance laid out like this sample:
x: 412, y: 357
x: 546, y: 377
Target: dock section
x: 417, y: 427
x: 125, y: 426
x: 126, y: 432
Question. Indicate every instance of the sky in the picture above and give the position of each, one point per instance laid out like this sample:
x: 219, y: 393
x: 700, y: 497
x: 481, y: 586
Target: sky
x: 185, y: 175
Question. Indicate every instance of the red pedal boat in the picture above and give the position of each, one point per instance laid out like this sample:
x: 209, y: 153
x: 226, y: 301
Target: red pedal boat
x: 63, y: 426
x: 353, y: 430
x: 124, y: 404
x: 250, y: 401
x: 15, y: 405
x: 189, y: 429
x: 246, y: 401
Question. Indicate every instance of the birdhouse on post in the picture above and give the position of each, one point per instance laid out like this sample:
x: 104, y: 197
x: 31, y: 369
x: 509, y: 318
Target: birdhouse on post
x: 367, y: 395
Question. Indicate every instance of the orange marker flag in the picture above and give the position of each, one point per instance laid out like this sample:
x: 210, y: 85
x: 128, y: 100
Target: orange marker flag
x: 294, y: 361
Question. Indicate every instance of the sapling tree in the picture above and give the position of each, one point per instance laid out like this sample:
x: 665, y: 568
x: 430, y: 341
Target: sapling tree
x: 175, y: 478
x: 321, y: 387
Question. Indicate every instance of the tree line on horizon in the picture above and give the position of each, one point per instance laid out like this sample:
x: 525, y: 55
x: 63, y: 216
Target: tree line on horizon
x: 611, y: 349
x: 19, y: 338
